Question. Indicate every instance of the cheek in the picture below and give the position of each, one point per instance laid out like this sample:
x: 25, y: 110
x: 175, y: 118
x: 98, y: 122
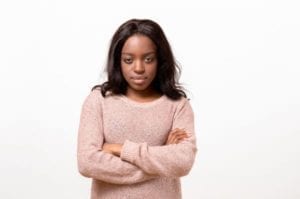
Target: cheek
x: 124, y: 72
x: 153, y: 70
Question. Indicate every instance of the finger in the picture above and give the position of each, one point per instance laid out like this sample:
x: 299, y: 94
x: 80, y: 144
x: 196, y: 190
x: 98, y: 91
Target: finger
x: 182, y: 134
x: 177, y: 129
x: 173, y: 132
x: 170, y: 139
x: 178, y: 140
x: 178, y: 132
x: 173, y: 139
x: 181, y: 138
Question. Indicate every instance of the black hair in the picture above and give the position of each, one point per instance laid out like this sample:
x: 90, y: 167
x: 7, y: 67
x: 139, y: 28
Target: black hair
x: 168, y: 71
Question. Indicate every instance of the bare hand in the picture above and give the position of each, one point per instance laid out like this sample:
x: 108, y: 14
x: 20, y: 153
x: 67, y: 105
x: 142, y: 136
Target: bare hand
x: 114, y: 149
x: 176, y: 136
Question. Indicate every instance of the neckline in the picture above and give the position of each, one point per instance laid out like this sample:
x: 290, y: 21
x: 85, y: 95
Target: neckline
x: 141, y: 104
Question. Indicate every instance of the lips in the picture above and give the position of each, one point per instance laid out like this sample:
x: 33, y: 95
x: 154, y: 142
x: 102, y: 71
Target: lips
x: 139, y: 80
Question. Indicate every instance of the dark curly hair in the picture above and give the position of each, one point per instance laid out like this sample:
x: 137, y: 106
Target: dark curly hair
x: 168, y: 72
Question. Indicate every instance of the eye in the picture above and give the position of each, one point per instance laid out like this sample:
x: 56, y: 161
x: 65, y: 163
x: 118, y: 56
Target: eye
x: 127, y: 60
x: 149, y: 59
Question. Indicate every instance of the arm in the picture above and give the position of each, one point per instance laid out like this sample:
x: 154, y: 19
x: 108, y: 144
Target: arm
x: 92, y: 161
x: 173, y: 160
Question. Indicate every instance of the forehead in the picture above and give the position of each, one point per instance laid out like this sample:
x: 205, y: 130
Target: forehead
x: 138, y: 44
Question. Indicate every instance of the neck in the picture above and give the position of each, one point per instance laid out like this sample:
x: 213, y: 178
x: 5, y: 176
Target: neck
x: 143, y: 96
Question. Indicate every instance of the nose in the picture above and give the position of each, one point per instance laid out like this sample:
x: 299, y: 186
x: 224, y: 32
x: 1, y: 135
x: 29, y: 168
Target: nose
x: 139, y: 67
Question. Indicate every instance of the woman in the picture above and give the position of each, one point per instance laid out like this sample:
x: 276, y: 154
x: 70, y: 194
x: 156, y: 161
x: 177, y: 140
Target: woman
x: 136, y: 134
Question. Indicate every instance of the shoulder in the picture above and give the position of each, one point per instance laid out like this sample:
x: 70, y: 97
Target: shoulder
x: 96, y: 92
x: 182, y: 101
x: 182, y: 105
x: 95, y: 95
x: 93, y: 99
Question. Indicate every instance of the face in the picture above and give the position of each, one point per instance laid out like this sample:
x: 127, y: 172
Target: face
x: 139, y: 63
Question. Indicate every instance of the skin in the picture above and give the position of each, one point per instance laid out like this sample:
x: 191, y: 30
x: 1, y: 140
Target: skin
x: 139, y: 61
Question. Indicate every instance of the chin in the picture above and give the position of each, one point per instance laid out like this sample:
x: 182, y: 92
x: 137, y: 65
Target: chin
x: 139, y: 87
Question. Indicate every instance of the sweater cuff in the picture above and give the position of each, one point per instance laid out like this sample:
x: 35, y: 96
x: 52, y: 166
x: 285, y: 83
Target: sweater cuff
x: 129, y: 151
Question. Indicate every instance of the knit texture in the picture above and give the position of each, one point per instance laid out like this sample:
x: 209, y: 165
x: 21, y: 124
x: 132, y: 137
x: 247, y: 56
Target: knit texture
x: 146, y: 168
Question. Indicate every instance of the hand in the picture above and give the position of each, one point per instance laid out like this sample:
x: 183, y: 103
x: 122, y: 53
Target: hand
x: 114, y: 149
x: 176, y: 136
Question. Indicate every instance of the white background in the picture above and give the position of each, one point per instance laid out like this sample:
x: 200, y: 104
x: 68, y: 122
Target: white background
x: 240, y: 62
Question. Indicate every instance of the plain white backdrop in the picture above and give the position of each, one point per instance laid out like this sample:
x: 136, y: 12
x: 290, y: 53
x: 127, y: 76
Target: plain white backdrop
x: 240, y: 62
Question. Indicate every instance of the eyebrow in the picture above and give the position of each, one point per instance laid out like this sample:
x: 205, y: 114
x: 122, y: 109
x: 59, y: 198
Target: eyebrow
x: 148, y: 53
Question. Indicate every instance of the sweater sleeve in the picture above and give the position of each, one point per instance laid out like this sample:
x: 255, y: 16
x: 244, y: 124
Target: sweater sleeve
x: 173, y: 160
x: 94, y: 163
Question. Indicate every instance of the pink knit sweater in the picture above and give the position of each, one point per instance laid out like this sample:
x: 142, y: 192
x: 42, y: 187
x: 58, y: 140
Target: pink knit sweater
x: 146, y: 167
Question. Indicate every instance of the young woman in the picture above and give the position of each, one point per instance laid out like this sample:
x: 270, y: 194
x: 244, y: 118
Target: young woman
x: 136, y: 134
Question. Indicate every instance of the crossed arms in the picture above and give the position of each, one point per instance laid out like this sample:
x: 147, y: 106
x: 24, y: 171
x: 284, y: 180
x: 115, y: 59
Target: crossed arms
x: 130, y: 162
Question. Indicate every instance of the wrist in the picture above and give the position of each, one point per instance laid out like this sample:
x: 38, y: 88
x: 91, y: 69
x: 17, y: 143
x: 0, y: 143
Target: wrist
x: 116, y: 149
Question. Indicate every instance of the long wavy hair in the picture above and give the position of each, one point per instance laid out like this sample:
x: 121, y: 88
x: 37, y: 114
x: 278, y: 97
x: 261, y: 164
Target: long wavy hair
x: 168, y: 71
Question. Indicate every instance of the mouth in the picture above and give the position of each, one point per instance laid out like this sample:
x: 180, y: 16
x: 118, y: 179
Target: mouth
x: 138, y: 77
x: 139, y: 80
